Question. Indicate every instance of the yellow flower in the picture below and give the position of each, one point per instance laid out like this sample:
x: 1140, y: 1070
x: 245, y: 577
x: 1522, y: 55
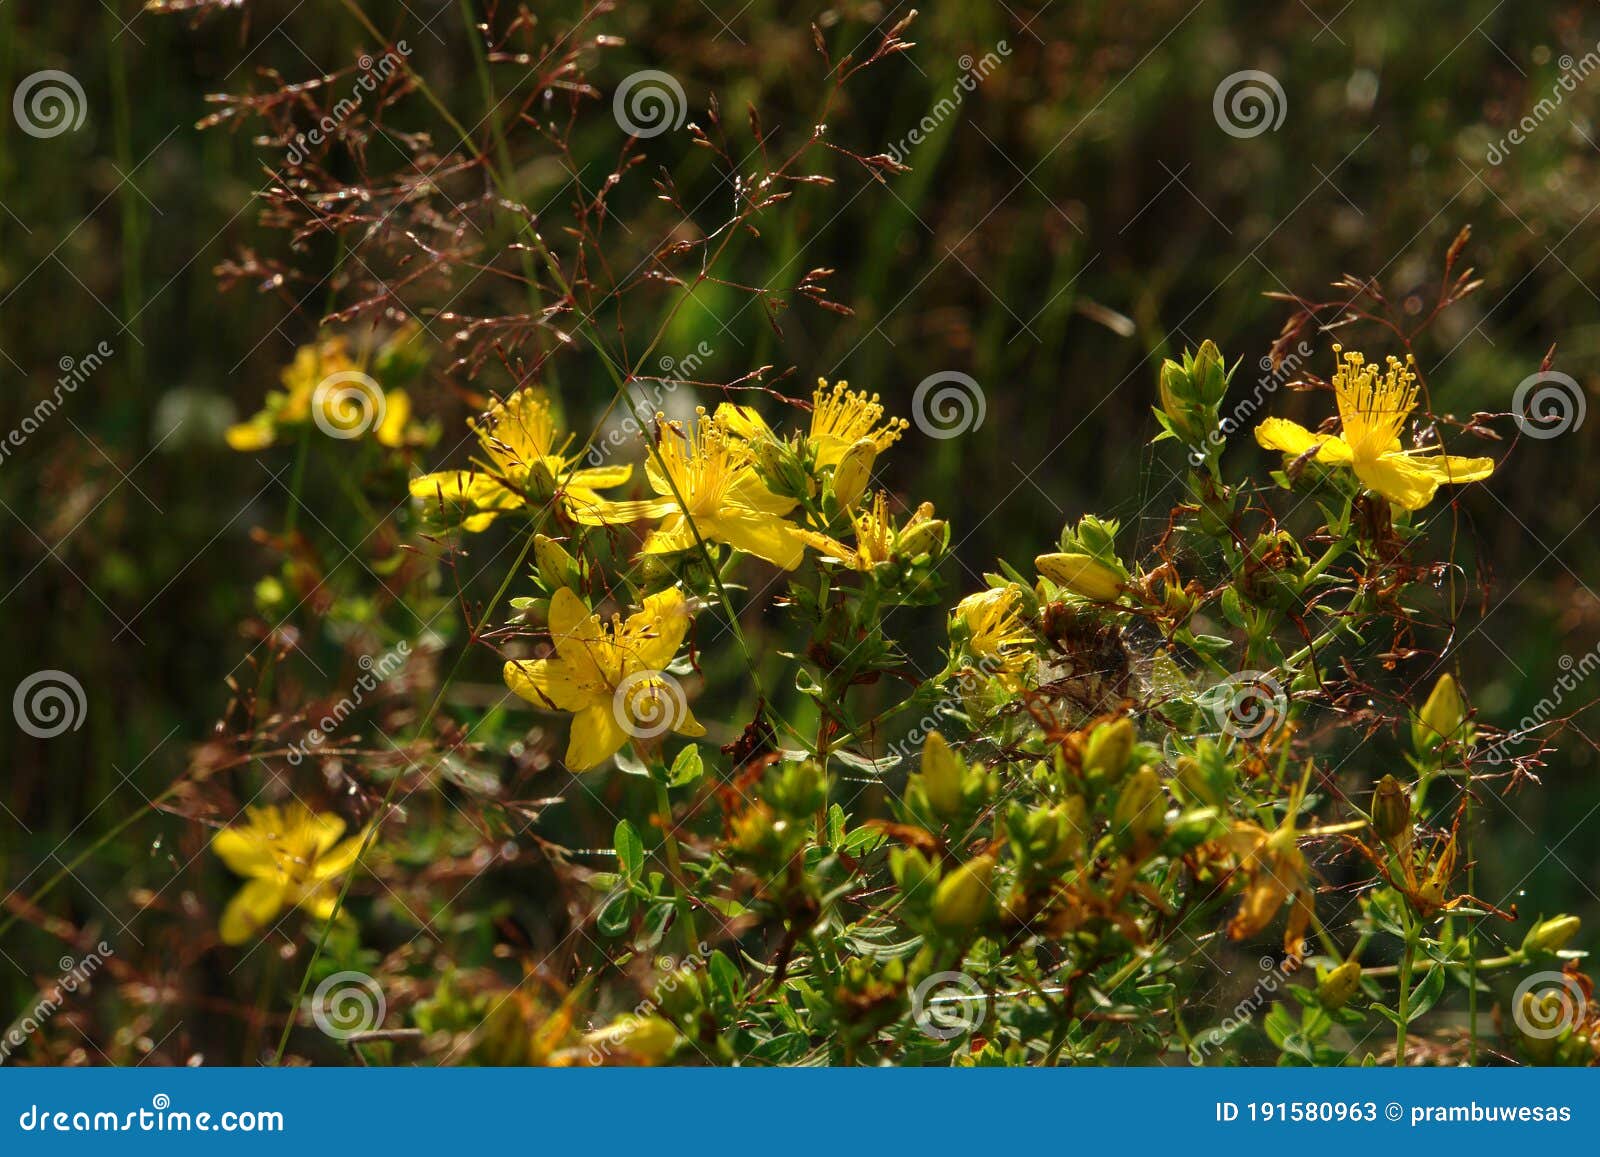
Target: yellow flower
x: 877, y: 538
x: 715, y: 474
x: 525, y: 463
x: 290, y: 856
x: 840, y: 417
x: 326, y: 385
x: 610, y: 677
x: 995, y: 628
x: 1373, y: 408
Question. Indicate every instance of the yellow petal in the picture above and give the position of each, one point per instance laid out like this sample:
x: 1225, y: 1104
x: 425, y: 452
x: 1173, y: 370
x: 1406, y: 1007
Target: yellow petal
x: 622, y: 513
x: 245, y: 852
x: 1294, y: 439
x: 577, y: 636
x: 600, y: 477
x: 764, y: 537
x: 341, y: 859
x: 396, y: 413
x: 546, y: 683
x: 689, y: 725
x: 319, y: 901
x: 256, y: 434
x: 742, y: 421
x: 1411, y: 480
x: 327, y: 826
x: 656, y: 631
x: 596, y: 737
x: 251, y: 911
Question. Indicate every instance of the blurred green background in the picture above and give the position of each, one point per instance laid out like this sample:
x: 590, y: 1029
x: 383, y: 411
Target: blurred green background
x: 1076, y: 216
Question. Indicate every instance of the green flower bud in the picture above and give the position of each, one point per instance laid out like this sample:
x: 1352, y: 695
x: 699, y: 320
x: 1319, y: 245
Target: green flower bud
x: 1442, y: 718
x: 913, y: 872
x: 942, y: 775
x: 854, y: 471
x: 1336, y: 988
x: 556, y: 567
x: 1140, y: 811
x: 1551, y: 935
x: 1391, y: 809
x: 1106, y: 754
x: 964, y: 899
x: 1178, y: 400
x: 647, y: 1038
x: 1207, y: 374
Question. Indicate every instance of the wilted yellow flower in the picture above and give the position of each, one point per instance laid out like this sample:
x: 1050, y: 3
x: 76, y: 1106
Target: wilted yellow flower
x: 995, y: 627
x: 326, y: 385
x: 721, y: 492
x: 290, y: 855
x: 610, y: 677
x: 877, y: 538
x: 1373, y: 408
x: 1277, y: 873
x: 525, y: 463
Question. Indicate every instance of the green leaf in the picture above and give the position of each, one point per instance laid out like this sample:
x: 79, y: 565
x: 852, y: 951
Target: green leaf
x: 1427, y: 994
x: 687, y: 768
x: 617, y: 914
x: 630, y: 849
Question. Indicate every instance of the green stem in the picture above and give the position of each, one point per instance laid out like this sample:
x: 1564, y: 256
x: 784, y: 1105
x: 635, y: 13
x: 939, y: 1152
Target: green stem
x: 680, y: 886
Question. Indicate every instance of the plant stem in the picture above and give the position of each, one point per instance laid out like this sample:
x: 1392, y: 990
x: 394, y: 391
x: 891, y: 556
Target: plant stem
x: 680, y: 886
x: 1403, y: 1005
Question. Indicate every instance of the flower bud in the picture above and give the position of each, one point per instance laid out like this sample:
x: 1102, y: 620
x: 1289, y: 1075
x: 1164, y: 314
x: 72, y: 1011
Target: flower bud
x: 556, y: 567
x: 1391, y: 809
x: 1106, y: 754
x: 922, y: 533
x: 913, y: 871
x: 1208, y: 376
x: 541, y: 482
x: 1441, y: 718
x: 854, y: 471
x: 1141, y: 809
x: 1551, y: 935
x: 963, y: 899
x: 1082, y: 574
x: 647, y: 1038
x: 942, y: 773
x: 1177, y: 400
x: 1336, y: 988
